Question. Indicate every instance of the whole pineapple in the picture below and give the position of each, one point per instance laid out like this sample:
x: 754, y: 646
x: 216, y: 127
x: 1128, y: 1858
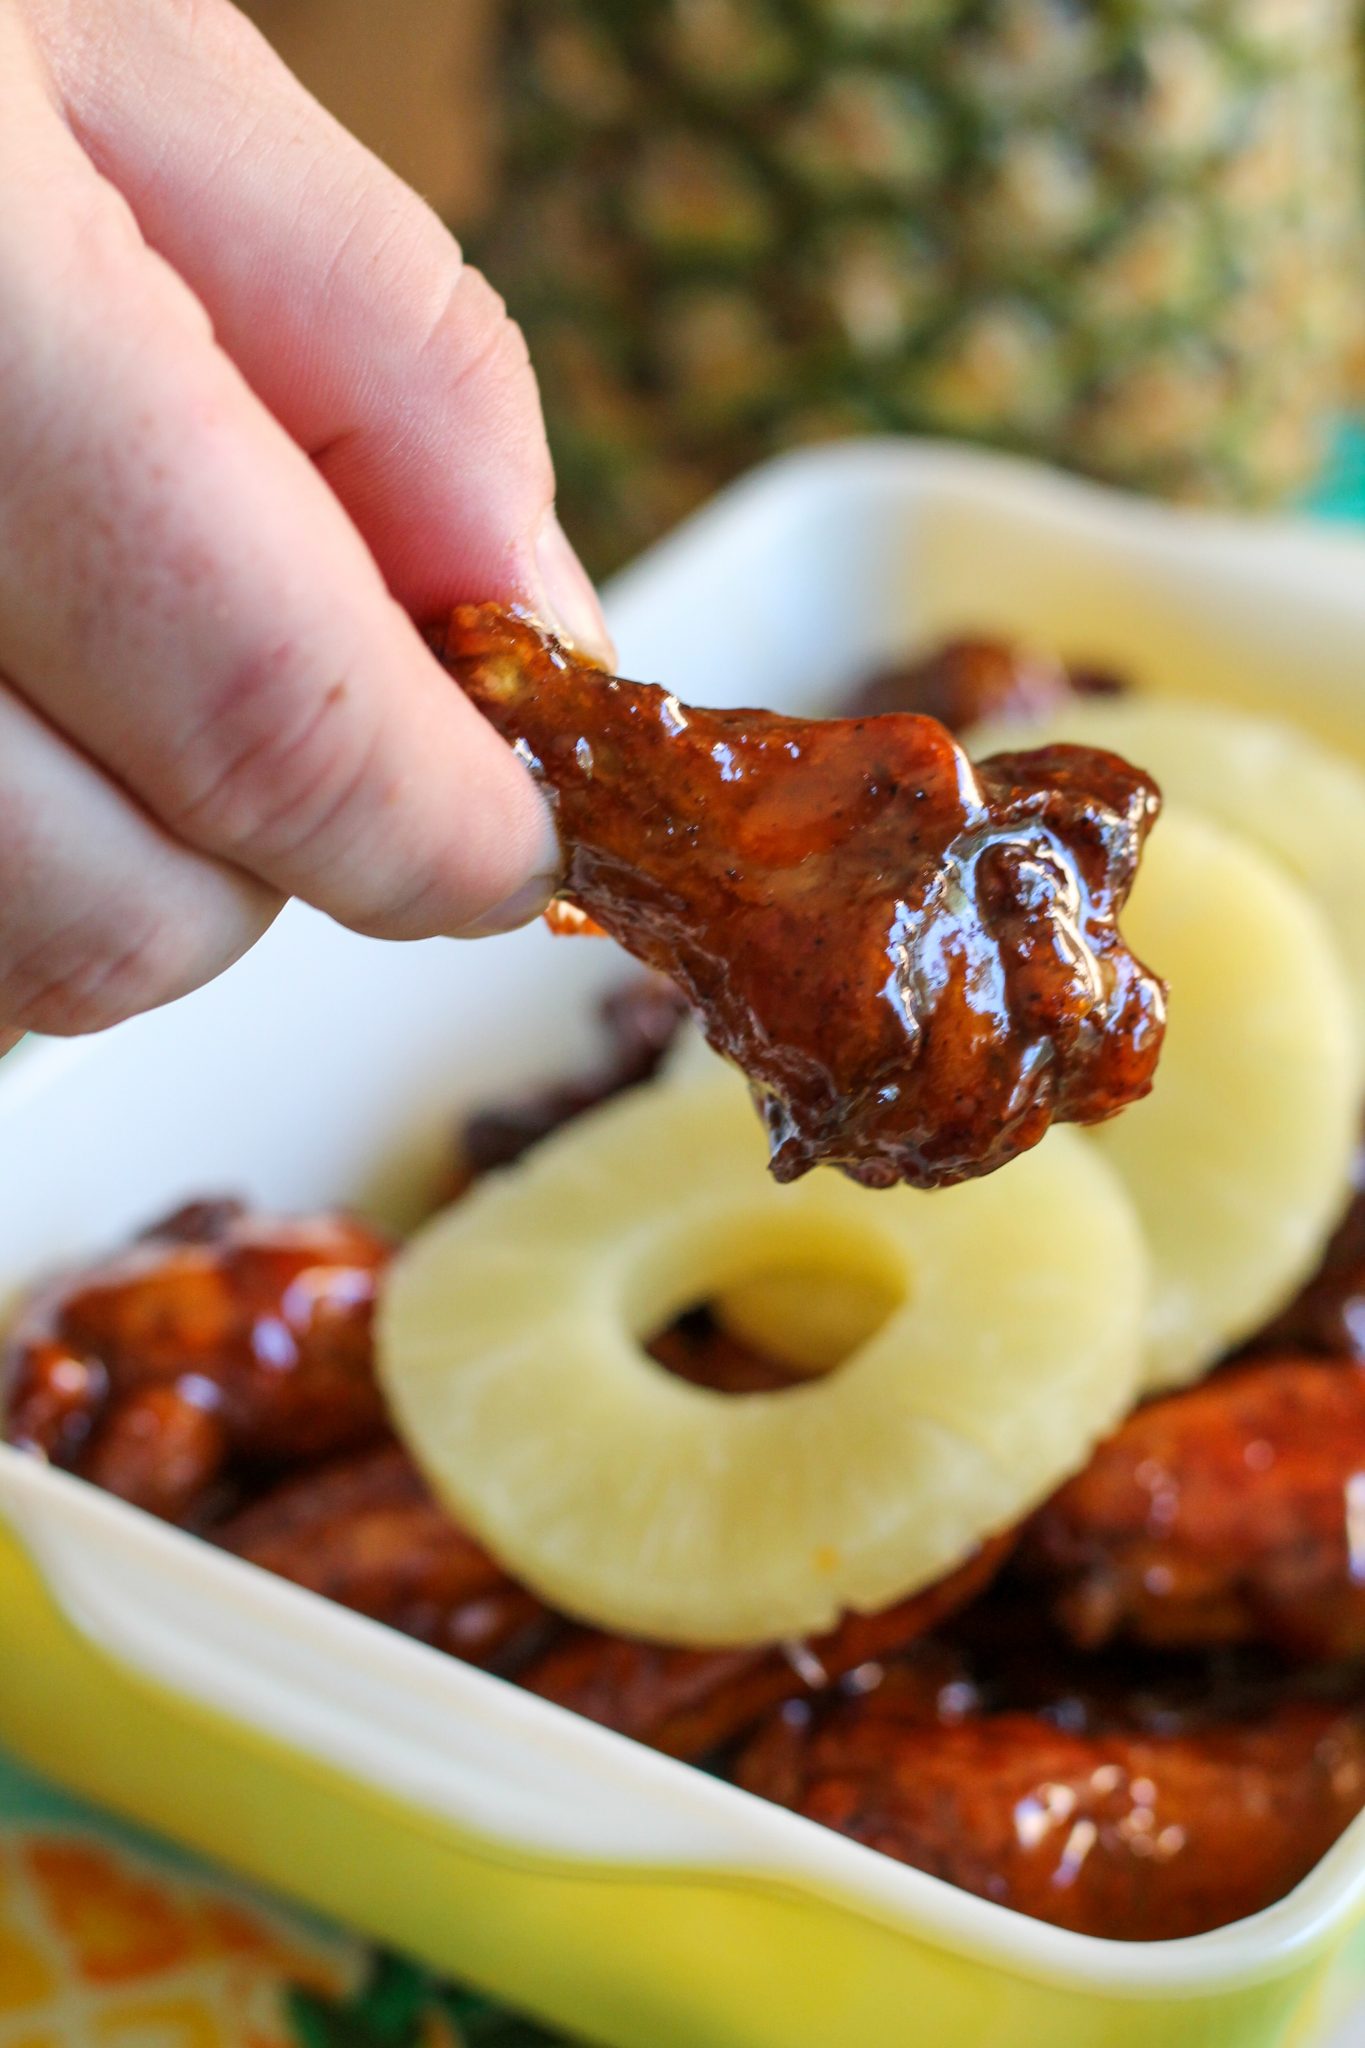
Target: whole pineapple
x: 1121, y: 233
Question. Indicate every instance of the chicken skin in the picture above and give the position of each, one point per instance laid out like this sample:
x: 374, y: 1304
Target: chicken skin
x: 1233, y: 1512
x: 221, y: 1340
x: 367, y: 1532
x: 1141, y: 1799
x: 916, y: 962
x: 692, y: 1703
x: 1128, y: 1832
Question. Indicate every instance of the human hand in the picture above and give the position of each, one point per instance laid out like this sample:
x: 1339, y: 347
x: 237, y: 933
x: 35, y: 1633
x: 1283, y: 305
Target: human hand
x: 254, y: 413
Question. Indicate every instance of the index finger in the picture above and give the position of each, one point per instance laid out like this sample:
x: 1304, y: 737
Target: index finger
x: 342, y: 298
x: 183, y: 597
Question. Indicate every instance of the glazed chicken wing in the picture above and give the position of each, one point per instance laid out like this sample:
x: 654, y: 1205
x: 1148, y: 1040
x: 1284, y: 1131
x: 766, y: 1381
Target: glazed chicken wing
x: 693, y: 1702
x: 1232, y: 1512
x: 219, y: 1339
x: 916, y: 962
x: 1129, y: 1833
x: 367, y: 1532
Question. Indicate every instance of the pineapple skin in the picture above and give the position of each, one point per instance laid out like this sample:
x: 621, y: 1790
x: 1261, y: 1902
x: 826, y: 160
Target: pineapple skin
x: 1122, y: 234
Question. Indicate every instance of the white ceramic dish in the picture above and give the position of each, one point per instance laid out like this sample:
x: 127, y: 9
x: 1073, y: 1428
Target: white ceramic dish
x: 327, y: 1068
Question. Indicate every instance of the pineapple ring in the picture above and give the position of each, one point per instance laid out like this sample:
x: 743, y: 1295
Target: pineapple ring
x: 1264, y: 777
x: 510, y: 1348
x: 1237, y: 1162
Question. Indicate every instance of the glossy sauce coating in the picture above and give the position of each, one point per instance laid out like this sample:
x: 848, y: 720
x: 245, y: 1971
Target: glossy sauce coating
x: 1233, y: 1512
x: 915, y: 962
x: 221, y: 1339
x: 691, y: 1703
x: 367, y: 1532
x: 1123, y: 1832
x: 1094, y: 1790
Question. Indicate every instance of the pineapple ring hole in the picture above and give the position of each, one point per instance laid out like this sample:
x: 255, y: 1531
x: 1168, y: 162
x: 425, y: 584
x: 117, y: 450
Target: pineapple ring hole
x: 807, y: 1319
x: 749, y: 1303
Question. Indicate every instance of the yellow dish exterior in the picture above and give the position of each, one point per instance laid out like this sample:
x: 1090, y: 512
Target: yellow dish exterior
x: 626, y: 1957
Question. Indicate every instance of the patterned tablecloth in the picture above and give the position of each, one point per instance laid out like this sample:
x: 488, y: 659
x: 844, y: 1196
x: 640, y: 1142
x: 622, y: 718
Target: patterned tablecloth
x: 111, y: 1940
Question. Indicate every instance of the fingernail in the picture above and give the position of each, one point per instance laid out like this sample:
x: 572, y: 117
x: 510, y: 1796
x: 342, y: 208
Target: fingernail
x: 521, y: 907
x: 569, y: 600
x: 529, y: 900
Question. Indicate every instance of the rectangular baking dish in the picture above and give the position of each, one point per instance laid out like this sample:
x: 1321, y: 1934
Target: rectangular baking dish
x: 604, y: 1887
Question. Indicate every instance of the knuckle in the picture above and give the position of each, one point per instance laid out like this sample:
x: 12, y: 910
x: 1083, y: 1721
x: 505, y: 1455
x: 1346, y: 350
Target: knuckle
x: 449, y: 319
x: 279, y: 756
x: 475, y: 330
x: 197, y: 22
x: 391, y: 257
x: 84, y: 979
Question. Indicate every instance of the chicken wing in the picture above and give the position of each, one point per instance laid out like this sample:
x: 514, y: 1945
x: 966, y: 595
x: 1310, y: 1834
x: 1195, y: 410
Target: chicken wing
x: 691, y: 1703
x: 916, y: 962
x: 220, y: 1338
x: 367, y: 1532
x: 1233, y: 1512
x: 1129, y: 1833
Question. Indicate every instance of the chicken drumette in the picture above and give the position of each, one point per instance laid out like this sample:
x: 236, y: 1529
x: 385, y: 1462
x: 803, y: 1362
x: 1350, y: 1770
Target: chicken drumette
x: 956, y: 1734
x: 1233, y: 1512
x: 693, y: 1702
x: 1130, y: 1831
x: 915, y: 961
x: 366, y: 1531
x: 220, y: 1343
x: 967, y: 682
